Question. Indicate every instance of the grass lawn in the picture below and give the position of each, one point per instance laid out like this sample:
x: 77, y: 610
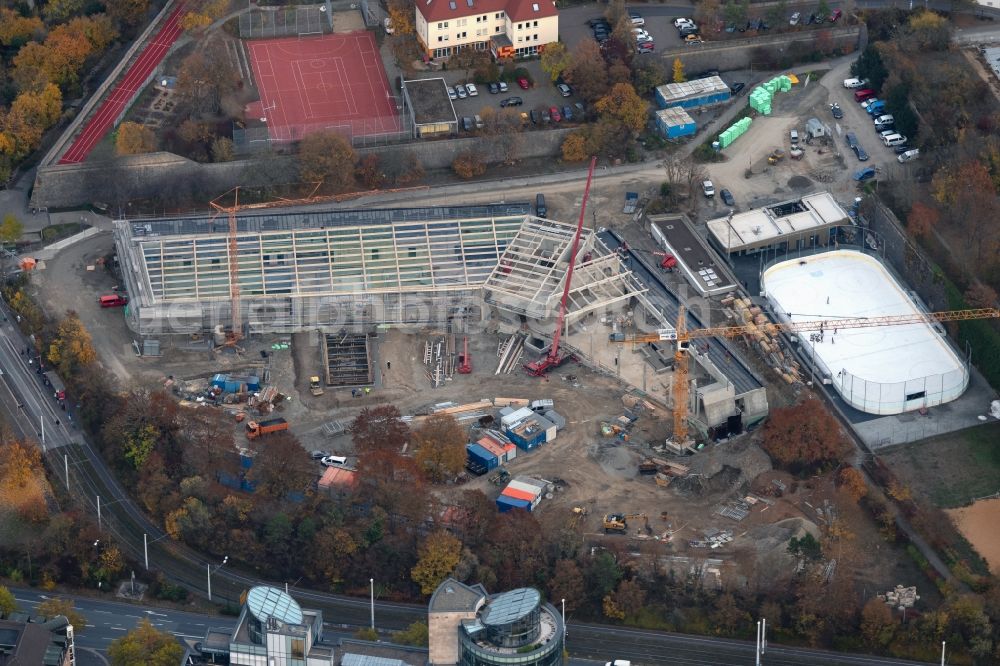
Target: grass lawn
x: 951, y: 470
x: 55, y: 232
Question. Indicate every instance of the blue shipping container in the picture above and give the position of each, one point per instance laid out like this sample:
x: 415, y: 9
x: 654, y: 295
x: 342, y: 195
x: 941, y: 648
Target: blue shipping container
x: 481, y: 456
x: 505, y: 504
x: 529, y: 442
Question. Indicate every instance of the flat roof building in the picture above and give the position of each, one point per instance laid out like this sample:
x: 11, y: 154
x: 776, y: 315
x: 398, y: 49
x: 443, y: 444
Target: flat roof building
x: 695, y: 260
x: 799, y: 223
x: 675, y: 123
x: 692, y: 94
x: 430, y: 108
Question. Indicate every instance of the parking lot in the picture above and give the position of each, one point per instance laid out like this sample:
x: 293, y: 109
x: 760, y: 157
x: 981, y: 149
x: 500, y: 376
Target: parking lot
x: 573, y: 26
x: 542, y: 95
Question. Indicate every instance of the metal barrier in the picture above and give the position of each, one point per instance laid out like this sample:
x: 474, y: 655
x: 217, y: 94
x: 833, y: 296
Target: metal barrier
x: 261, y: 23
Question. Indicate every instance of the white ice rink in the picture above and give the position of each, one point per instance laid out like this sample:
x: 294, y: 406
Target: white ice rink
x: 885, y: 370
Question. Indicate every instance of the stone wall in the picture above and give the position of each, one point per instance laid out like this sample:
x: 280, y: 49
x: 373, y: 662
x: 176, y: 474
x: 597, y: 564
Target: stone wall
x: 151, y: 176
x: 742, y: 53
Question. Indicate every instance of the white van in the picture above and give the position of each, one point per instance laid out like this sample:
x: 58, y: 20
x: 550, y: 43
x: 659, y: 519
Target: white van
x: 884, y: 122
x: 894, y: 140
x: 909, y: 156
x: 853, y: 83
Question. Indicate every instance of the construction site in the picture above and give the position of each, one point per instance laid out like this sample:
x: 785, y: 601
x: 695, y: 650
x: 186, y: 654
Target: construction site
x: 610, y: 379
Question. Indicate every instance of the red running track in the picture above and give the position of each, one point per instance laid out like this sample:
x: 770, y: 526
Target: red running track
x: 124, y: 91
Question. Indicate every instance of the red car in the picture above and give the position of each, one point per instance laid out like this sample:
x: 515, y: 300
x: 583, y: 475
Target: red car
x: 554, y: 112
x: 113, y: 301
x: 835, y: 15
x: 523, y: 82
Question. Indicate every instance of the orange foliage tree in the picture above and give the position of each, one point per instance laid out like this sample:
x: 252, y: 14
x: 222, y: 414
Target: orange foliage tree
x: 804, y: 437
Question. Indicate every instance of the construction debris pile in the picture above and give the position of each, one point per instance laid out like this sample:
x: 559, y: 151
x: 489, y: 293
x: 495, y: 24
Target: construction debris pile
x: 509, y: 353
x: 713, y: 538
x: 764, y: 336
x: 237, y: 394
x: 901, y: 597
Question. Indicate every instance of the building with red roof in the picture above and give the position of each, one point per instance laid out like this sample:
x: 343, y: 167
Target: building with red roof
x: 505, y: 28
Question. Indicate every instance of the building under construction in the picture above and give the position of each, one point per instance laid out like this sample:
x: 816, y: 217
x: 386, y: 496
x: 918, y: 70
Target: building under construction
x: 356, y: 269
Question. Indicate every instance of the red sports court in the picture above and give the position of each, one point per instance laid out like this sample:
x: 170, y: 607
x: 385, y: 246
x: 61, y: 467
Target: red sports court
x: 324, y: 82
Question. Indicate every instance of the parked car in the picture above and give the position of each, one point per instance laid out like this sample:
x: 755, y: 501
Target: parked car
x: 332, y: 461
x: 461, y: 91
x: 567, y: 113
x: 594, y: 22
x: 554, y: 112
x: 387, y: 24
x: 893, y: 140
x: 452, y: 95
x: 494, y: 89
x: 319, y: 455
x: 467, y: 123
x: 899, y: 150
x: 909, y: 155
x: 646, y: 47
x: 835, y: 16
x: 113, y: 301
x: 877, y: 109
x: 523, y: 82
x: 863, y: 95
x: 837, y: 112
x: 564, y: 89
x: 860, y: 152
x: 865, y: 174
x: 727, y: 197
x: 471, y: 89
x: 737, y: 87
x: 546, y: 116
x: 708, y: 189
x: 680, y: 22
x: 688, y: 30
x: 534, y: 117
x: 541, y: 210
x: 811, y: 19
x: 852, y: 140
x: 693, y: 39
x: 643, y: 40
x: 479, y: 122
x: 793, y: 136
x: 853, y: 83
x: 884, y: 119
x: 503, y: 86
x: 511, y: 101
x: 580, y: 109
x: 794, y: 20
x: 637, y: 20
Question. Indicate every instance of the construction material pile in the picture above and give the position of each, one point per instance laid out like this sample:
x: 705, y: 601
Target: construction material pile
x: 762, y: 334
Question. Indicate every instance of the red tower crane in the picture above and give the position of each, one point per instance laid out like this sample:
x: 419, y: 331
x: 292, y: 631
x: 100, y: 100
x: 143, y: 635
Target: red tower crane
x: 542, y: 366
x: 464, y: 362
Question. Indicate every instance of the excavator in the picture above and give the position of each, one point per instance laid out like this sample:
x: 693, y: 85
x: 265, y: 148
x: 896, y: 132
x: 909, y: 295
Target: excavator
x: 618, y: 522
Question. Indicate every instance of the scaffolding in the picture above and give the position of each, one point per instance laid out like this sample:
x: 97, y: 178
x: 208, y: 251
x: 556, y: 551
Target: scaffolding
x: 347, y: 358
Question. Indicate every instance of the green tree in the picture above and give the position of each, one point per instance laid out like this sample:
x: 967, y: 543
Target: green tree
x: 327, y: 157
x: 11, y: 229
x: 555, y: 58
x: 602, y: 575
x: 145, y: 646
x: 366, y: 634
x: 870, y: 65
x: 823, y: 9
x: 415, y: 634
x: 8, y: 604
x: 440, y: 443
x: 679, y: 71
x: 56, y: 606
x: 438, y: 557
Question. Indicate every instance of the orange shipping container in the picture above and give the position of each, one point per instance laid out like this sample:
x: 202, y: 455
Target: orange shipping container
x: 518, y: 494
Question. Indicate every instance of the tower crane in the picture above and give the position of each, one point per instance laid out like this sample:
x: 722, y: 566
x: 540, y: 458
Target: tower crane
x: 542, y: 366
x: 682, y: 337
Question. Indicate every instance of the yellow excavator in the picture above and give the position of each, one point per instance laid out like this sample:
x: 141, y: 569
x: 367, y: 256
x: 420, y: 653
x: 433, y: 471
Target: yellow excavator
x: 314, y: 386
x: 618, y: 522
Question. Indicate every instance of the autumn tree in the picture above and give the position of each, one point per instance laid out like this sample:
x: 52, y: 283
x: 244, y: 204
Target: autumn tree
x: 401, y: 17
x: 127, y: 12
x: 59, y: 11
x: 804, y: 437
x: 379, y: 429
x: 852, y: 482
x: 555, y: 59
x: 280, y: 466
x: 968, y: 192
x: 56, y: 606
x: 72, y: 348
x: 402, y: 167
x: 134, y: 138
x: 440, y: 443
x: 575, y: 146
x: 223, y: 149
x: 416, y: 634
x: 328, y: 158
x: 728, y: 615
x: 438, y: 557
x: 625, y: 106
x: 209, y: 447
x: 15, y: 29
x: 468, y: 164
x: 587, y: 71
x: 11, y: 229
x: 40, y: 108
x: 706, y: 12
x: 647, y: 75
x: 19, y: 463
x: 145, y: 645
x: 567, y: 583
x: 678, y: 75
x: 922, y: 219
x: 978, y: 295
x: 929, y: 31
x: 205, y: 77
x: 369, y: 172
x: 877, y: 623
x: 8, y: 604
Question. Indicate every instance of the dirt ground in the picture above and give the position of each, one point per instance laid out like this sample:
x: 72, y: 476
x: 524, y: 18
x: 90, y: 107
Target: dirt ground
x: 978, y: 524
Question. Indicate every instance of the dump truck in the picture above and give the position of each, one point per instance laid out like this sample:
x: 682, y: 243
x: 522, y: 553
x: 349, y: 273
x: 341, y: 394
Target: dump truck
x: 314, y: 386
x: 257, y: 428
x: 54, y: 383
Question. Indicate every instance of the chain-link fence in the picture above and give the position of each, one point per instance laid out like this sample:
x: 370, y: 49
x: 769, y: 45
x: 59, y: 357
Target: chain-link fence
x: 260, y: 23
x: 362, y: 133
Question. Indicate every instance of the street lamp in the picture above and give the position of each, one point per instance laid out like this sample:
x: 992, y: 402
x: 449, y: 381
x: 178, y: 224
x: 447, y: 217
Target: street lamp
x: 371, y: 581
x: 208, y: 569
x: 145, y: 546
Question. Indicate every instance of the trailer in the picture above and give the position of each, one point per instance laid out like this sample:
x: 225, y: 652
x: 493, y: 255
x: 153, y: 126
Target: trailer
x: 631, y: 200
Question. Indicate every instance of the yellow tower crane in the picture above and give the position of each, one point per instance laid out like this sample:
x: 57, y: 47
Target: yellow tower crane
x: 682, y: 338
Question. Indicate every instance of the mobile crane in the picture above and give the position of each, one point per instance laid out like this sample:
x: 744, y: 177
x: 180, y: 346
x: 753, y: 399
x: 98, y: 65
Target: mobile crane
x: 541, y: 367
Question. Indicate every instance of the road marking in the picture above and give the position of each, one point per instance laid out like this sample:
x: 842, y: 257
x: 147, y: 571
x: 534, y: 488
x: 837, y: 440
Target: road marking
x: 187, y: 635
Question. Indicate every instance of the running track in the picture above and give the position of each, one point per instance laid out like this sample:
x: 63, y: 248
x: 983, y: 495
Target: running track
x: 148, y: 60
